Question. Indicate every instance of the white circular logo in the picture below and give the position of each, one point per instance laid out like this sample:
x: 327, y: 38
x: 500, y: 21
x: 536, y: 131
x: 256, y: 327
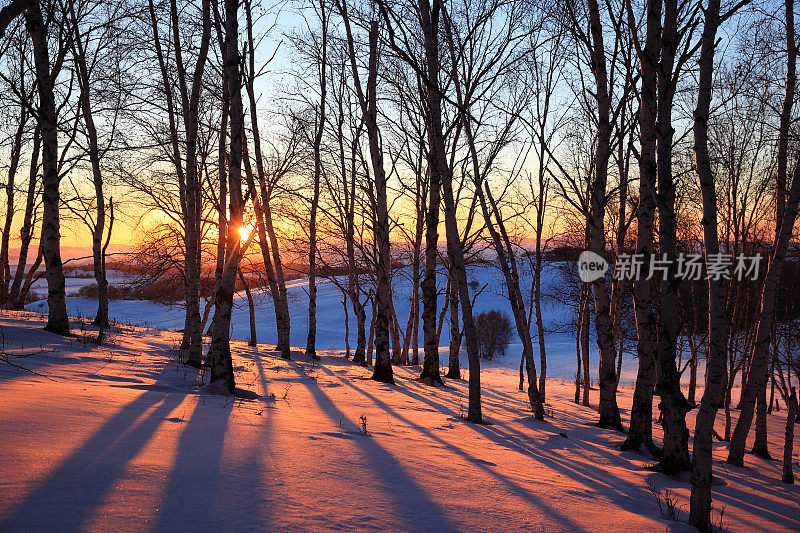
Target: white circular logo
x: 591, y: 266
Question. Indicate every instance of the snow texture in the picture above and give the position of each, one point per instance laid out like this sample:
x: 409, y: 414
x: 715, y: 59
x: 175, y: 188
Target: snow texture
x: 119, y: 438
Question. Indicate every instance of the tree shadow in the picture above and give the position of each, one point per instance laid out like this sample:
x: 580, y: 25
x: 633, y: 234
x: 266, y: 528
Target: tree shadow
x: 481, y: 464
x: 31, y: 360
x: 758, y: 502
x: 197, y: 494
x: 396, y: 482
x: 589, y: 476
x: 66, y: 498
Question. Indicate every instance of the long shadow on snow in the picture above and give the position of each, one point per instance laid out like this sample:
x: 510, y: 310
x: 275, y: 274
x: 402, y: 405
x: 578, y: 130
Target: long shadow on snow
x: 398, y: 484
x: 196, y: 495
x: 36, y: 359
x: 602, y: 481
x: 479, y: 463
x: 755, y: 499
x: 606, y: 483
x: 81, y: 482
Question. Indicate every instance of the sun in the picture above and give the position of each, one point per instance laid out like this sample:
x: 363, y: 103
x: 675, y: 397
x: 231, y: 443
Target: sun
x: 244, y: 232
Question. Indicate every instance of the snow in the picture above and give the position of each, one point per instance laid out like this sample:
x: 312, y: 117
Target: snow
x: 119, y: 438
x: 561, y: 359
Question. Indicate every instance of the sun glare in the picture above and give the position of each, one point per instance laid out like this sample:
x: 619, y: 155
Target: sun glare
x: 244, y: 232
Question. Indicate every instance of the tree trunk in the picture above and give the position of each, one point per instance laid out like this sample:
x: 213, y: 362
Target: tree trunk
x: 354, y: 292
x: 368, y: 103
x: 674, y: 407
x: 413, y: 317
x: 371, y: 340
x: 760, y: 447
x: 263, y: 244
x: 788, y: 441
x: 192, y: 201
x: 693, y: 348
x: 346, y: 327
x: 311, y: 342
x: 415, y: 265
x: 30, y: 278
x: 508, y: 265
x: 263, y: 211
x: 101, y: 318
x: 398, y: 347
x: 430, y: 365
x: 383, y: 367
x: 353, y: 283
x: 361, y: 330
x: 26, y: 232
x: 728, y: 386
x: 772, y: 402
x: 219, y: 353
x: 280, y: 277
x: 757, y: 375
x: 222, y: 215
x: 604, y: 326
x: 577, y: 356
x: 194, y: 191
x: 167, y: 84
x: 11, y: 11
x: 57, y: 318
x: 251, y: 308
x: 454, y: 365
x: 702, y: 459
x: 16, y: 150
x: 311, y: 339
x: 641, y: 426
x: 537, y: 306
x: 587, y: 379
x: 439, y: 166
x: 103, y: 253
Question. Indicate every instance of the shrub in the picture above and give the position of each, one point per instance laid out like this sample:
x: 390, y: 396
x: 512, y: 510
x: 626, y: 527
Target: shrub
x: 32, y: 296
x: 115, y: 292
x: 493, y: 329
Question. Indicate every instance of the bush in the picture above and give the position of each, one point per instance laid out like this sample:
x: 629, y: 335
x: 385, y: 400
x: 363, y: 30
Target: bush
x: 115, y: 292
x: 32, y: 296
x: 493, y: 329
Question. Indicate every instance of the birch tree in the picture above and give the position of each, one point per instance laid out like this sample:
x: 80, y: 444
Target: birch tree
x: 787, y: 215
x: 57, y: 318
x: 219, y: 357
x: 702, y: 460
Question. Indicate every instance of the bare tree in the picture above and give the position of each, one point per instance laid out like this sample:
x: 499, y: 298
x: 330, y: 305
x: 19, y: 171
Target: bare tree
x: 700, y: 501
x: 312, y: 231
x: 594, y: 42
x: 57, y: 318
x: 219, y: 357
x: 791, y: 414
x: 787, y: 214
x: 368, y: 103
x: 88, y: 47
x: 17, y: 141
x: 262, y: 199
x: 186, y: 165
x: 11, y: 11
x: 641, y: 426
x: 18, y: 291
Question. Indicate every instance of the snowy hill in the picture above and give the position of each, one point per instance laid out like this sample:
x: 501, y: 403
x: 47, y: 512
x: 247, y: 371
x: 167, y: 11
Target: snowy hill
x: 121, y: 438
x: 330, y: 318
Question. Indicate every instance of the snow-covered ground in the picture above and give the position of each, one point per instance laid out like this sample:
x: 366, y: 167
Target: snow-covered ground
x: 119, y: 438
x: 561, y: 358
